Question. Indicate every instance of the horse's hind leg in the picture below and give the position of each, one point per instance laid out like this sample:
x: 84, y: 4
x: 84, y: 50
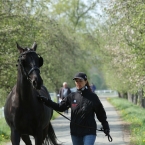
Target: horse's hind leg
x: 15, y: 137
x: 26, y: 139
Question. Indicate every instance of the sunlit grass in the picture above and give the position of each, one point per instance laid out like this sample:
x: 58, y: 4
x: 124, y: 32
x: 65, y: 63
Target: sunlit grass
x: 135, y: 116
x: 55, y: 115
x: 4, y: 131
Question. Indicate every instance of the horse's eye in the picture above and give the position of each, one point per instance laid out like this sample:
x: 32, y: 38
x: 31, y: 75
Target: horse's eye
x: 23, y: 59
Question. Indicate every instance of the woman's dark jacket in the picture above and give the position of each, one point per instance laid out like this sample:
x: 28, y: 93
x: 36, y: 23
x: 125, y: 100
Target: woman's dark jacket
x: 84, y: 105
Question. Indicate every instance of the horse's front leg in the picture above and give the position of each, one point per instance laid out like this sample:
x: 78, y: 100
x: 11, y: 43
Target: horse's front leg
x: 39, y: 137
x: 15, y: 137
x: 26, y: 139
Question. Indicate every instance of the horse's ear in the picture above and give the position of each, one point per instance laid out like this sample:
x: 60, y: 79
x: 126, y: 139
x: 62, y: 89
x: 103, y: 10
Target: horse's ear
x: 40, y: 61
x: 34, y: 46
x: 19, y: 48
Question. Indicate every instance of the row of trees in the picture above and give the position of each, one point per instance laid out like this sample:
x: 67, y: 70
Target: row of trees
x: 103, y: 38
x: 124, y: 45
x: 61, y: 30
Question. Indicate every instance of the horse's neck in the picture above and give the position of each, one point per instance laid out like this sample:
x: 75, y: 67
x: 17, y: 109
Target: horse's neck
x: 24, y: 89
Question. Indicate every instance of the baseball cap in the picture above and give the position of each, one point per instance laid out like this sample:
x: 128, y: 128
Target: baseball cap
x: 81, y: 76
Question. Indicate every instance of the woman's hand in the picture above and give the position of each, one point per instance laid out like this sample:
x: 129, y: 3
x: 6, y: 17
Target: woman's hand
x: 107, y: 131
x: 42, y: 98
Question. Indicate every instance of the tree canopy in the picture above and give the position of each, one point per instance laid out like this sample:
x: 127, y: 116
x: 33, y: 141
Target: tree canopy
x: 60, y: 31
x: 105, y: 39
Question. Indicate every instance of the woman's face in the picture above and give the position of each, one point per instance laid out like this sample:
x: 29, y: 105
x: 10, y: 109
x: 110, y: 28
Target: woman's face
x: 80, y: 83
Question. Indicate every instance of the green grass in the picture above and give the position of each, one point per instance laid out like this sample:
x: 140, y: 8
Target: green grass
x: 4, y: 131
x: 55, y: 115
x: 134, y: 115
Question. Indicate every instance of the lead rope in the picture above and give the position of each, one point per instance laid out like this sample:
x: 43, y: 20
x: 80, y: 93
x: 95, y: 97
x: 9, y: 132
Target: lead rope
x: 101, y: 129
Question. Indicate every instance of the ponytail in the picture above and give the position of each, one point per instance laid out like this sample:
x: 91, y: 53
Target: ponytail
x: 88, y: 86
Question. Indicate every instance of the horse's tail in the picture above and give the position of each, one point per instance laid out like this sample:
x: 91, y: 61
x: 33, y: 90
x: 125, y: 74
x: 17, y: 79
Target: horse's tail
x: 51, y: 137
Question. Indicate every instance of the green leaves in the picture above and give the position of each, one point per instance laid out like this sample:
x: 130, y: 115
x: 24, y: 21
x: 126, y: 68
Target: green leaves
x: 125, y: 44
x: 25, y: 22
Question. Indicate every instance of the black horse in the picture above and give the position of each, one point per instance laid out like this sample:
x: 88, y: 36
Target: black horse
x: 24, y: 113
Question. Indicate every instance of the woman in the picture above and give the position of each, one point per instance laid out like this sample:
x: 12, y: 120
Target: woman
x: 84, y: 104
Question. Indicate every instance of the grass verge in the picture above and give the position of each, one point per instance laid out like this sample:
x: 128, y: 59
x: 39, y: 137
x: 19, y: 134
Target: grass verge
x: 135, y: 116
x: 55, y: 115
x: 4, y: 131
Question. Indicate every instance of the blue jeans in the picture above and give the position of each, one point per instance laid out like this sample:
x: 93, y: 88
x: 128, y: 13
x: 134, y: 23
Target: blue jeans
x: 84, y: 140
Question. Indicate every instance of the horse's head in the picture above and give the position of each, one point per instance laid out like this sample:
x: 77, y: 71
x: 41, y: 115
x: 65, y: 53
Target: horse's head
x: 29, y: 62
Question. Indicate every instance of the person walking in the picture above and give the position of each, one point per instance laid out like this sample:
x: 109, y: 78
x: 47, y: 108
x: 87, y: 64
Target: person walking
x: 64, y: 92
x: 84, y: 105
x: 93, y: 87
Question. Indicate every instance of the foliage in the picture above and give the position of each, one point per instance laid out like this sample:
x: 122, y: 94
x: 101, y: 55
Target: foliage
x: 62, y: 43
x: 2, y: 97
x: 77, y: 13
x: 4, y: 131
x: 25, y: 22
x: 122, y: 44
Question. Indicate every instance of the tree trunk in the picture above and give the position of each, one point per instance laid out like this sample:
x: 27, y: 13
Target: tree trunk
x: 143, y: 102
x: 135, y: 97
x: 119, y: 94
x: 140, y: 97
x: 130, y: 98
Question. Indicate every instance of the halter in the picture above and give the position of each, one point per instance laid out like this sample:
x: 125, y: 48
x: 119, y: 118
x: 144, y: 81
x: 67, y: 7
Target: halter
x: 22, y: 67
